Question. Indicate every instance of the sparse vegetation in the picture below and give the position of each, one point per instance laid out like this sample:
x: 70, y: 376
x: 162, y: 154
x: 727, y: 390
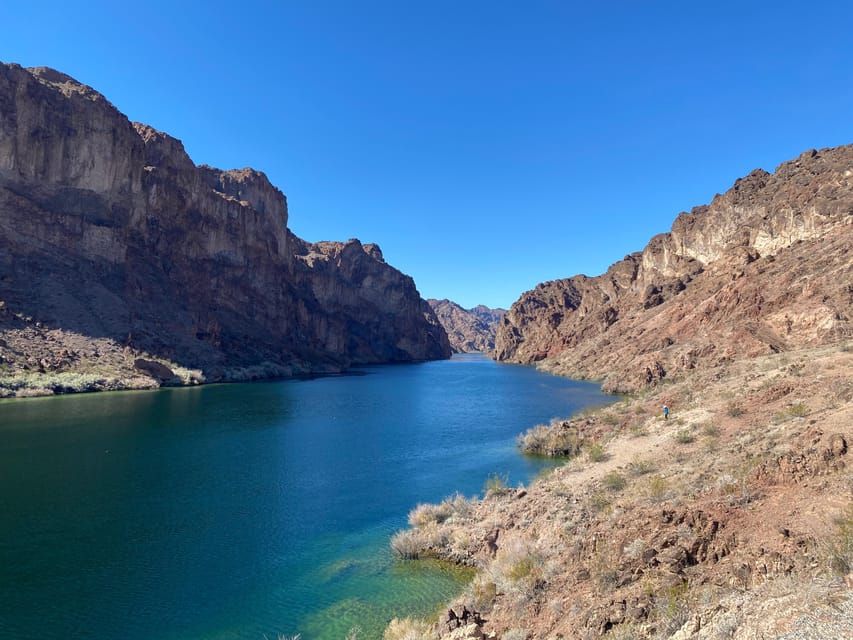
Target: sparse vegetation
x: 798, y: 410
x: 684, y: 436
x: 596, y: 453
x: 711, y: 430
x: 407, y: 629
x: 641, y: 467
x: 657, y: 488
x: 841, y: 546
x: 614, y: 481
x: 672, y: 609
x: 556, y: 439
x: 496, y: 485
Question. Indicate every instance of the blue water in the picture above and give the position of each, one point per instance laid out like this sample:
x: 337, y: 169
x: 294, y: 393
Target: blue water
x: 244, y: 510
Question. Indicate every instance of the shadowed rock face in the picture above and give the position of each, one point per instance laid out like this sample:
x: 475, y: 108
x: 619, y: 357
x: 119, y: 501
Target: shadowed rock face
x: 108, y: 230
x: 469, y: 330
x: 763, y: 268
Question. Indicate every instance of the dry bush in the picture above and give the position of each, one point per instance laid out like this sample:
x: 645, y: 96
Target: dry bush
x: 596, y: 453
x: 517, y: 570
x: 454, y: 507
x: 407, y: 629
x: 841, y: 545
x: 558, y: 439
x: 496, y: 485
x: 638, y: 467
x: 614, y: 481
x: 410, y: 544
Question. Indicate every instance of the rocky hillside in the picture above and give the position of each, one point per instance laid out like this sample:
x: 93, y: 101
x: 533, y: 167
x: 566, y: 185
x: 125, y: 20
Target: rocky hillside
x: 469, y: 330
x: 125, y: 264
x: 732, y: 519
x: 764, y: 268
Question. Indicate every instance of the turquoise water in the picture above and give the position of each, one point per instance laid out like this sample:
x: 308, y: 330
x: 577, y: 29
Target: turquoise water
x: 244, y: 510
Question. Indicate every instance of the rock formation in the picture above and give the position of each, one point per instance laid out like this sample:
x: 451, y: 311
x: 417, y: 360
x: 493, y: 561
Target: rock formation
x: 764, y: 268
x: 469, y: 330
x: 115, y: 244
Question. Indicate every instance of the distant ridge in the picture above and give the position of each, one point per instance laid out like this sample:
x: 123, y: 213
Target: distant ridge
x: 469, y: 330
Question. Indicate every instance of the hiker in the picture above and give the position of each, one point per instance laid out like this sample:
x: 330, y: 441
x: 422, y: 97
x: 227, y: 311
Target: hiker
x: 665, y: 412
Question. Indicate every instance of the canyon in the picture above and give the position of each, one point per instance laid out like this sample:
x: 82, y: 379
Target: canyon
x: 469, y: 330
x: 125, y: 265
x: 731, y: 516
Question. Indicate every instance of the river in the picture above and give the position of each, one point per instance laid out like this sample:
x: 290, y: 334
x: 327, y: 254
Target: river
x: 251, y: 510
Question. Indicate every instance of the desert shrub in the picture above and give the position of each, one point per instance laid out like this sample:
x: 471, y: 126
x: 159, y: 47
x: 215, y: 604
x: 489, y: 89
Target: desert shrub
x: 596, y: 453
x: 672, y: 609
x: 638, y: 430
x: 657, y: 488
x: 604, y: 569
x: 514, y: 634
x: 711, y: 430
x: 798, y: 410
x: 496, y: 485
x: 841, y: 547
x: 734, y: 410
x: 407, y: 629
x: 684, y: 436
x: 455, y: 506
x: 598, y: 502
x: 558, y: 439
x: 406, y: 544
x: 410, y: 544
x: 614, y: 481
x: 638, y: 467
x: 517, y: 568
x: 634, y: 549
x: 483, y: 593
x: 610, y: 419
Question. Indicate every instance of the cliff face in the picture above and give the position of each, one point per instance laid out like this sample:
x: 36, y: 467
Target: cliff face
x: 763, y: 268
x: 108, y: 230
x: 469, y: 330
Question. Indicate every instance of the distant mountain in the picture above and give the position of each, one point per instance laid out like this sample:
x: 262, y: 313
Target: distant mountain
x: 125, y: 263
x: 764, y: 268
x: 469, y: 330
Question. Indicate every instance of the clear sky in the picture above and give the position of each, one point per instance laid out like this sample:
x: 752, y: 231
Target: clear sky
x: 486, y: 146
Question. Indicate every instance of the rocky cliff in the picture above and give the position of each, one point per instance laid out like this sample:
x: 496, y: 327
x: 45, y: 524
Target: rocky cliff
x: 117, y: 249
x: 764, y: 268
x: 469, y: 330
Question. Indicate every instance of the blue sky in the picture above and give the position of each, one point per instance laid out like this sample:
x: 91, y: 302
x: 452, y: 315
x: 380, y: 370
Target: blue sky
x: 485, y: 146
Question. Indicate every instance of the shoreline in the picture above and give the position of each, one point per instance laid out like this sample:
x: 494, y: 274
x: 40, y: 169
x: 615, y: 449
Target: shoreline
x: 736, y: 499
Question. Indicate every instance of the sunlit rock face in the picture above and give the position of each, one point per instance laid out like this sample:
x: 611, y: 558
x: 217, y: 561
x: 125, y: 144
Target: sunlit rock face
x: 109, y: 231
x: 469, y: 330
x: 764, y: 267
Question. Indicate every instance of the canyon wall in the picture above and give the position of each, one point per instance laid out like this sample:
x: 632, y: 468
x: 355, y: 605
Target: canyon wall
x: 764, y: 268
x: 109, y: 232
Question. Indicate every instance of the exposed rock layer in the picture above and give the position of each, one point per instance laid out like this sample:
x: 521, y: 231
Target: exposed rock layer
x: 763, y: 268
x: 109, y: 231
x: 469, y: 330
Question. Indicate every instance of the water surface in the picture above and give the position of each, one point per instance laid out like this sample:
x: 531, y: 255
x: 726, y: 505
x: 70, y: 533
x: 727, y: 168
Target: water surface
x: 244, y: 510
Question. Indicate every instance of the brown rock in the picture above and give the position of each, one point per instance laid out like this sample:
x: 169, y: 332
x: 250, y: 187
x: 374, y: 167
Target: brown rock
x: 469, y: 330
x: 111, y: 232
x: 765, y: 260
